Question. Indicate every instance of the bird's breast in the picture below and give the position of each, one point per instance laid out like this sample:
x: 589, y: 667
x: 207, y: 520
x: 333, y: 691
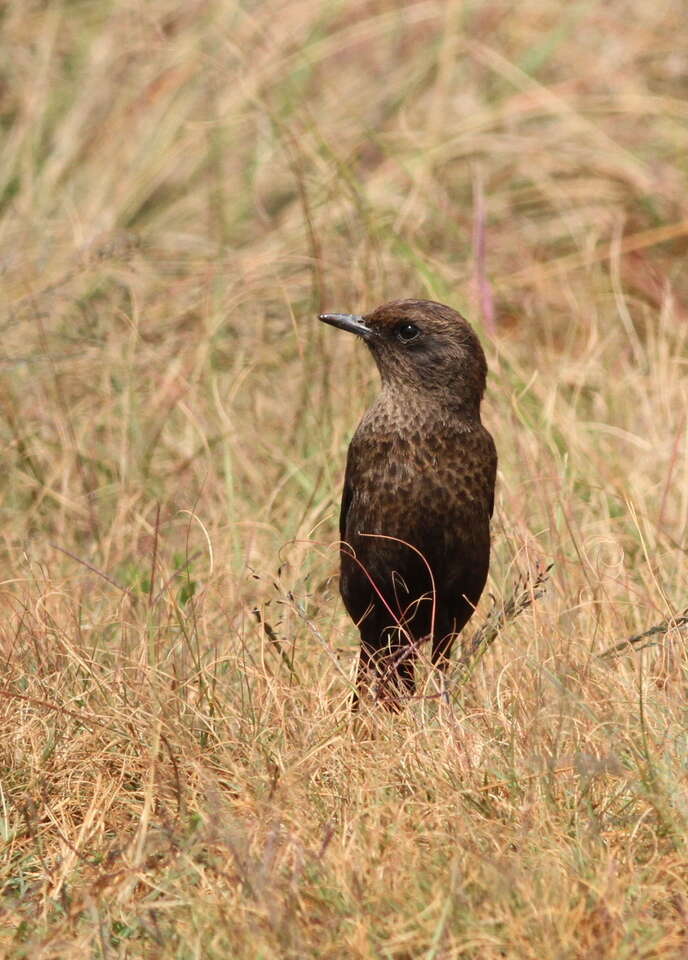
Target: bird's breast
x: 405, y: 477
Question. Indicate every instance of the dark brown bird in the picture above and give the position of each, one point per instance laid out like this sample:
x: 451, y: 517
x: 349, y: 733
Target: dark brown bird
x: 418, y: 491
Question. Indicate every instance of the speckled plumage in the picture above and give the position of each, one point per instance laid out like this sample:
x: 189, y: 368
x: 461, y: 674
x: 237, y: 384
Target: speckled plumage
x: 418, y: 491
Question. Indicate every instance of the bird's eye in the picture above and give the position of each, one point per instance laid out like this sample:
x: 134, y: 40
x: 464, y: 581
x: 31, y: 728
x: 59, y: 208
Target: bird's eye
x: 406, y: 332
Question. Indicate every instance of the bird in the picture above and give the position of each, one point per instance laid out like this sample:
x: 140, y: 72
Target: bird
x: 418, y: 494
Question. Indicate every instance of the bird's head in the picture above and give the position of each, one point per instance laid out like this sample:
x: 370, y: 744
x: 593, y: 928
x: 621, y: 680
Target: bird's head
x: 422, y: 346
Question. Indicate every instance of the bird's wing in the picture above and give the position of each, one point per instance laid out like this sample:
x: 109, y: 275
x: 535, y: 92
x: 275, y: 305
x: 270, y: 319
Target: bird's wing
x: 347, y: 494
x: 486, y: 460
x: 493, y: 474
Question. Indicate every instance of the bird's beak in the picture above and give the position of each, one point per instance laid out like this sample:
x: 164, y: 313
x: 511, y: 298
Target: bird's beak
x: 348, y: 321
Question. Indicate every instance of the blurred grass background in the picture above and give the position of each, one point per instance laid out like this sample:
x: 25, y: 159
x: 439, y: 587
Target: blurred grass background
x: 183, y: 187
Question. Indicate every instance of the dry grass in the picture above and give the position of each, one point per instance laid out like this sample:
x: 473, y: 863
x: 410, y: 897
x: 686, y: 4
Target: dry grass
x: 182, y: 188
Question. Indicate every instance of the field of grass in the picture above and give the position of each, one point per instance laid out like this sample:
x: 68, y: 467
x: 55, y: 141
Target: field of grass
x: 183, y: 187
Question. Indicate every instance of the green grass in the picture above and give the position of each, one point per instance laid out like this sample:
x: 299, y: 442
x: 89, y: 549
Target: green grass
x: 182, y: 189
